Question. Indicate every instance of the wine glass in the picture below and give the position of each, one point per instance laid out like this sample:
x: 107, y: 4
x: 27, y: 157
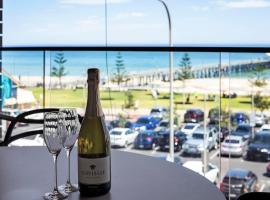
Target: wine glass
x: 53, y: 121
x: 71, y: 131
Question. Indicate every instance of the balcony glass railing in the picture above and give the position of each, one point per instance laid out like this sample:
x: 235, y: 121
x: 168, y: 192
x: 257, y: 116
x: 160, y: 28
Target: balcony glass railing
x: 221, y: 102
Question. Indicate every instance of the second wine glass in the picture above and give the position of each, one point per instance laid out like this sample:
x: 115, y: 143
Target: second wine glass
x: 70, y: 130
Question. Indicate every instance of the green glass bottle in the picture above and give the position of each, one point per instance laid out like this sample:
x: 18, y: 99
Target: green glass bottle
x: 94, y: 153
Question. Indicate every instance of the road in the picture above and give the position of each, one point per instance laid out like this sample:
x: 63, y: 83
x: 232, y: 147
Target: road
x: 259, y: 168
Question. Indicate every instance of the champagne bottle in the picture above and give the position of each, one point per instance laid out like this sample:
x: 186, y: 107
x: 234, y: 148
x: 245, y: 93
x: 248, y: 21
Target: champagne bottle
x: 94, y: 154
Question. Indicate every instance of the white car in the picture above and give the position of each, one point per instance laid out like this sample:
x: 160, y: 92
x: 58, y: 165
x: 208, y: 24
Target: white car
x: 233, y: 145
x: 34, y: 140
x: 189, y: 128
x: 212, y: 171
x: 260, y: 119
x: 122, y: 137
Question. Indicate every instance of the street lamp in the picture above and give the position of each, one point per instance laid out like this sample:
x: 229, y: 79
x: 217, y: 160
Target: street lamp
x: 171, y: 155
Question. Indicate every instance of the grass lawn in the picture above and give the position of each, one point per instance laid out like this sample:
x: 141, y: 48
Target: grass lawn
x: 77, y: 98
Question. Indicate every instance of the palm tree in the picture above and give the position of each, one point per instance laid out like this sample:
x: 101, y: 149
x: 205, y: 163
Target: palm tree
x: 59, y: 71
x: 120, y: 75
x: 185, y: 72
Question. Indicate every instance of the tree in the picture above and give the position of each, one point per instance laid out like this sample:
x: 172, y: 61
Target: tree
x: 185, y: 68
x: 261, y: 102
x: 185, y: 72
x: 130, y: 99
x: 259, y: 81
x: 59, y: 71
x: 120, y: 74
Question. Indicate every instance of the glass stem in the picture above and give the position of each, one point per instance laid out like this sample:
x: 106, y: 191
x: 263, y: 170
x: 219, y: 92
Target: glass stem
x: 68, y: 158
x: 55, y: 171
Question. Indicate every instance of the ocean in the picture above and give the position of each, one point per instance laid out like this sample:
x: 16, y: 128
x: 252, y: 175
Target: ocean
x: 23, y: 63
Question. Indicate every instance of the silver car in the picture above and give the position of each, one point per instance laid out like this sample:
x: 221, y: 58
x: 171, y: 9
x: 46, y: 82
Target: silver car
x: 233, y: 145
x: 199, y: 141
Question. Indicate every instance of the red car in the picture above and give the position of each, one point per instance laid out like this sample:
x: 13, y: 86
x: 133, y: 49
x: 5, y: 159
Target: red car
x: 268, y: 169
x: 193, y: 116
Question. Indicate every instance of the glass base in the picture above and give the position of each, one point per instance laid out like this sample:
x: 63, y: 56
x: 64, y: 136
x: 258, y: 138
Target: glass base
x: 69, y: 188
x: 55, y: 195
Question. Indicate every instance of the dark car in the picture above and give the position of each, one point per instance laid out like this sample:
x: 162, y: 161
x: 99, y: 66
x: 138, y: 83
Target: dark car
x: 259, y: 147
x: 224, y: 132
x: 159, y: 112
x: 129, y: 124
x: 268, y: 169
x: 244, y: 131
x: 214, y: 117
x: 239, y: 118
x: 164, y: 140
x: 146, y: 140
x: 193, y: 116
x: 237, y: 182
x: 108, y: 125
x: 115, y: 123
x: 146, y: 123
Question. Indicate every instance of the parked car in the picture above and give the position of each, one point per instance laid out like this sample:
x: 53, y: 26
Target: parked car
x: 244, y: 131
x: 233, y: 145
x: 159, y: 112
x: 146, y: 140
x: 11, y: 112
x: 34, y: 140
x: 259, y: 147
x: 122, y: 137
x: 224, y: 132
x: 164, y: 125
x: 108, y: 125
x: 115, y: 123
x: 237, y: 182
x: 212, y: 171
x: 260, y: 119
x: 239, y: 118
x: 268, y: 169
x: 130, y: 125
x: 193, y: 116
x: 189, y: 128
x: 265, y: 127
x: 146, y: 123
x: 227, y: 95
x: 196, y: 145
x: 164, y: 140
x: 214, y: 117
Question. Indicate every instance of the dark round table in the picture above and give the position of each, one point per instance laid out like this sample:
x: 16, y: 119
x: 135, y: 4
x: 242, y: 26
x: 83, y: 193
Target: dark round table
x: 26, y: 173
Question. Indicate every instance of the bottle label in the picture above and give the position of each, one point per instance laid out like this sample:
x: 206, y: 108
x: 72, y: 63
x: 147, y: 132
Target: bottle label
x: 92, y: 171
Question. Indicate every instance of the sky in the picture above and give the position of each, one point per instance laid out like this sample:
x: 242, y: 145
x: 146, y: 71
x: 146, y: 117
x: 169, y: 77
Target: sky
x: 136, y: 22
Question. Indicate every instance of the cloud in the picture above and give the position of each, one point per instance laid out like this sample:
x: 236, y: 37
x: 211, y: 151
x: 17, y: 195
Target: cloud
x: 200, y: 8
x: 89, y: 22
x: 129, y: 15
x: 245, y: 4
x: 92, y: 2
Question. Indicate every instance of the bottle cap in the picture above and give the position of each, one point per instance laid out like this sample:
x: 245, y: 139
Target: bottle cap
x: 93, y: 74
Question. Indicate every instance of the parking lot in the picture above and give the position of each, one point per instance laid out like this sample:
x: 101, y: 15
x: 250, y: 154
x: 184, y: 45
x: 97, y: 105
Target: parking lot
x: 259, y: 168
x: 223, y: 163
